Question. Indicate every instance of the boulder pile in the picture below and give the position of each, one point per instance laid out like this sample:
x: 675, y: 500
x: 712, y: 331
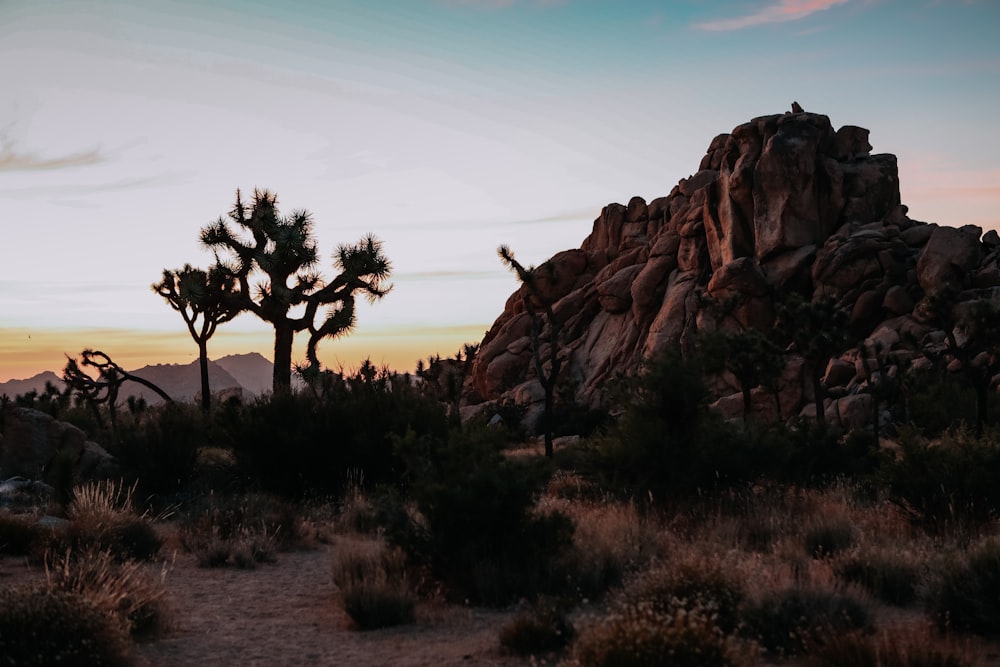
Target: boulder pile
x: 784, y: 204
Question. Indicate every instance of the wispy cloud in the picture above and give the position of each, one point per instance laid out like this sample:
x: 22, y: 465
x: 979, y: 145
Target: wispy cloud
x: 780, y: 12
x: 13, y: 160
x: 503, y: 4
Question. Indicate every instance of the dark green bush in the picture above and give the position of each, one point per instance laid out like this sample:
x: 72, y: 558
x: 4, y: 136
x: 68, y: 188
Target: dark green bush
x: 827, y: 536
x: 482, y: 536
x: 296, y: 444
x: 42, y: 627
x: 950, y: 484
x: 965, y: 594
x: 160, y: 446
x: 890, y: 577
x: 794, y: 620
x: 19, y: 534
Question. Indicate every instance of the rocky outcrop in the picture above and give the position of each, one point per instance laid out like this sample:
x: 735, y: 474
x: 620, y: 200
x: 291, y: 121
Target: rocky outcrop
x: 31, y: 440
x: 782, y: 204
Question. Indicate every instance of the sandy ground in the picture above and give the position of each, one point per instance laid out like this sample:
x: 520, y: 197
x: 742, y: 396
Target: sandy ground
x: 287, y: 614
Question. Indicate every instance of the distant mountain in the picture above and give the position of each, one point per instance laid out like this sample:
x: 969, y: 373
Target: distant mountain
x: 14, y: 388
x: 254, y: 373
x: 182, y: 382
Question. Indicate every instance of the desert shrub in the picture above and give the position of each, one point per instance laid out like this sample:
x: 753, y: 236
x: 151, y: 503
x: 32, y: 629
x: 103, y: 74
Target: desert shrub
x: 241, y: 530
x: 891, y: 575
x: 696, y: 582
x: 950, y: 484
x: 19, y: 534
x: 794, y: 620
x: 825, y: 536
x: 372, y: 584
x: 537, y: 628
x: 125, y: 591
x: 668, y: 444
x: 964, y: 593
x: 160, y: 446
x: 643, y: 636
x: 859, y: 649
x: 297, y: 444
x: 42, y: 626
x: 481, y: 535
x: 610, y: 541
x: 102, y: 516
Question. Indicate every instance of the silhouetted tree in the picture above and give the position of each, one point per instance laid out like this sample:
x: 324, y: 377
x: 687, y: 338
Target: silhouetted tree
x: 257, y: 239
x: 818, y: 331
x: 539, y: 309
x: 205, y: 299
x: 749, y: 355
x: 103, y: 388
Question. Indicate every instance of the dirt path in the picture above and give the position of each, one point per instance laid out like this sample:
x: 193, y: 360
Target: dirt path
x: 287, y: 614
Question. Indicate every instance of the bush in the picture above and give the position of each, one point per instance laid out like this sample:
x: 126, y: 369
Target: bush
x: 296, y: 444
x: 965, y: 593
x: 538, y: 628
x: 160, y: 446
x: 102, y: 517
x: 695, y: 584
x: 861, y: 650
x: 241, y: 530
x: 372, y: 584
x: 19, y: 534
x: 795, y: 620
x: 949, y: 485
x: 125, y: 591
x: 45, y: 626
x: 642, y: 636
x: 668, y: 444
x: 890, y: 575
x: 482, y: 536
x: 826, y: 536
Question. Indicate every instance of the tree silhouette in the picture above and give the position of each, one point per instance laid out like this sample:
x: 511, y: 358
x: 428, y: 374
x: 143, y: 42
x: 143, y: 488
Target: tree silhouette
x: 818, y: 331
x: 749, y: 355
x: 205, y: 299
x: 539, y: 309
x: 104, y: 388
x: 258, y: 240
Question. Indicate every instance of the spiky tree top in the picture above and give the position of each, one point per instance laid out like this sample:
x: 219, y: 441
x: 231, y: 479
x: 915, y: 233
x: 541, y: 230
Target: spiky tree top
x: 257, y: 240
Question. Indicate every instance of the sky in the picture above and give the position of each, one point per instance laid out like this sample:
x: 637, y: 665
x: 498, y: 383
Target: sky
x: 444, y: 127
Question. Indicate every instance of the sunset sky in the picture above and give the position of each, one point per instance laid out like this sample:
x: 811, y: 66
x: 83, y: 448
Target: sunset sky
x: 445, y: 127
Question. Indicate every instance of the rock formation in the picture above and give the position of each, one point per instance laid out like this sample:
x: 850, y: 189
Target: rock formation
x: 782, y: 204
x: 31, y: 439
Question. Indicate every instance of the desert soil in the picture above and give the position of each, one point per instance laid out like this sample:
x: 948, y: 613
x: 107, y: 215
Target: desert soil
x: 287, y: 614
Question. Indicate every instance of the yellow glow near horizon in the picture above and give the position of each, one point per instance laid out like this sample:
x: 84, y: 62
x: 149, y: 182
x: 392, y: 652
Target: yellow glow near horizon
x: 25, y: 353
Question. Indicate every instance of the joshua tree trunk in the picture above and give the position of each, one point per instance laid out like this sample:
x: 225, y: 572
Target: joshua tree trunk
x: 283, y: 336
x: 818, y: 395
x: 206, y: 391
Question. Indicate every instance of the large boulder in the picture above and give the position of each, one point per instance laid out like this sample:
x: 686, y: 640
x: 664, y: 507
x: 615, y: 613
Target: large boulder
x: 32, y: 438
x: 784, y: 204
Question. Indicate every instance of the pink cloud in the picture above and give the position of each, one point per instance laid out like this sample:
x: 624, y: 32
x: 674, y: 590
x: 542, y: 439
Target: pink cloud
x: 785, y: 10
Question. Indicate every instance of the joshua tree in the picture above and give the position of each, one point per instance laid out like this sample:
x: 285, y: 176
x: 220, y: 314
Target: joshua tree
x: 257, y: 239
x: 539, y: 309
x: 104, y: 388
x: 209, y: 295
x: 749, y: 356
x: 818, y: 331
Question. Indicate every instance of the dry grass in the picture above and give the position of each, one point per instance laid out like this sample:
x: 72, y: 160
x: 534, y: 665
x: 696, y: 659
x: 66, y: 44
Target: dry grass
x: 372, y: 583
x: 128, y: 592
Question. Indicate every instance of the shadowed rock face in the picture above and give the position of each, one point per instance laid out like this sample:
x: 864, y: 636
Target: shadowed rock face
x: 781, y: 204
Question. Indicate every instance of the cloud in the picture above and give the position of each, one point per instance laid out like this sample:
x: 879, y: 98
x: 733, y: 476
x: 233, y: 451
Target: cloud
x: 503, y: 4
x: 12, y: 160
x: 784, y: 10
